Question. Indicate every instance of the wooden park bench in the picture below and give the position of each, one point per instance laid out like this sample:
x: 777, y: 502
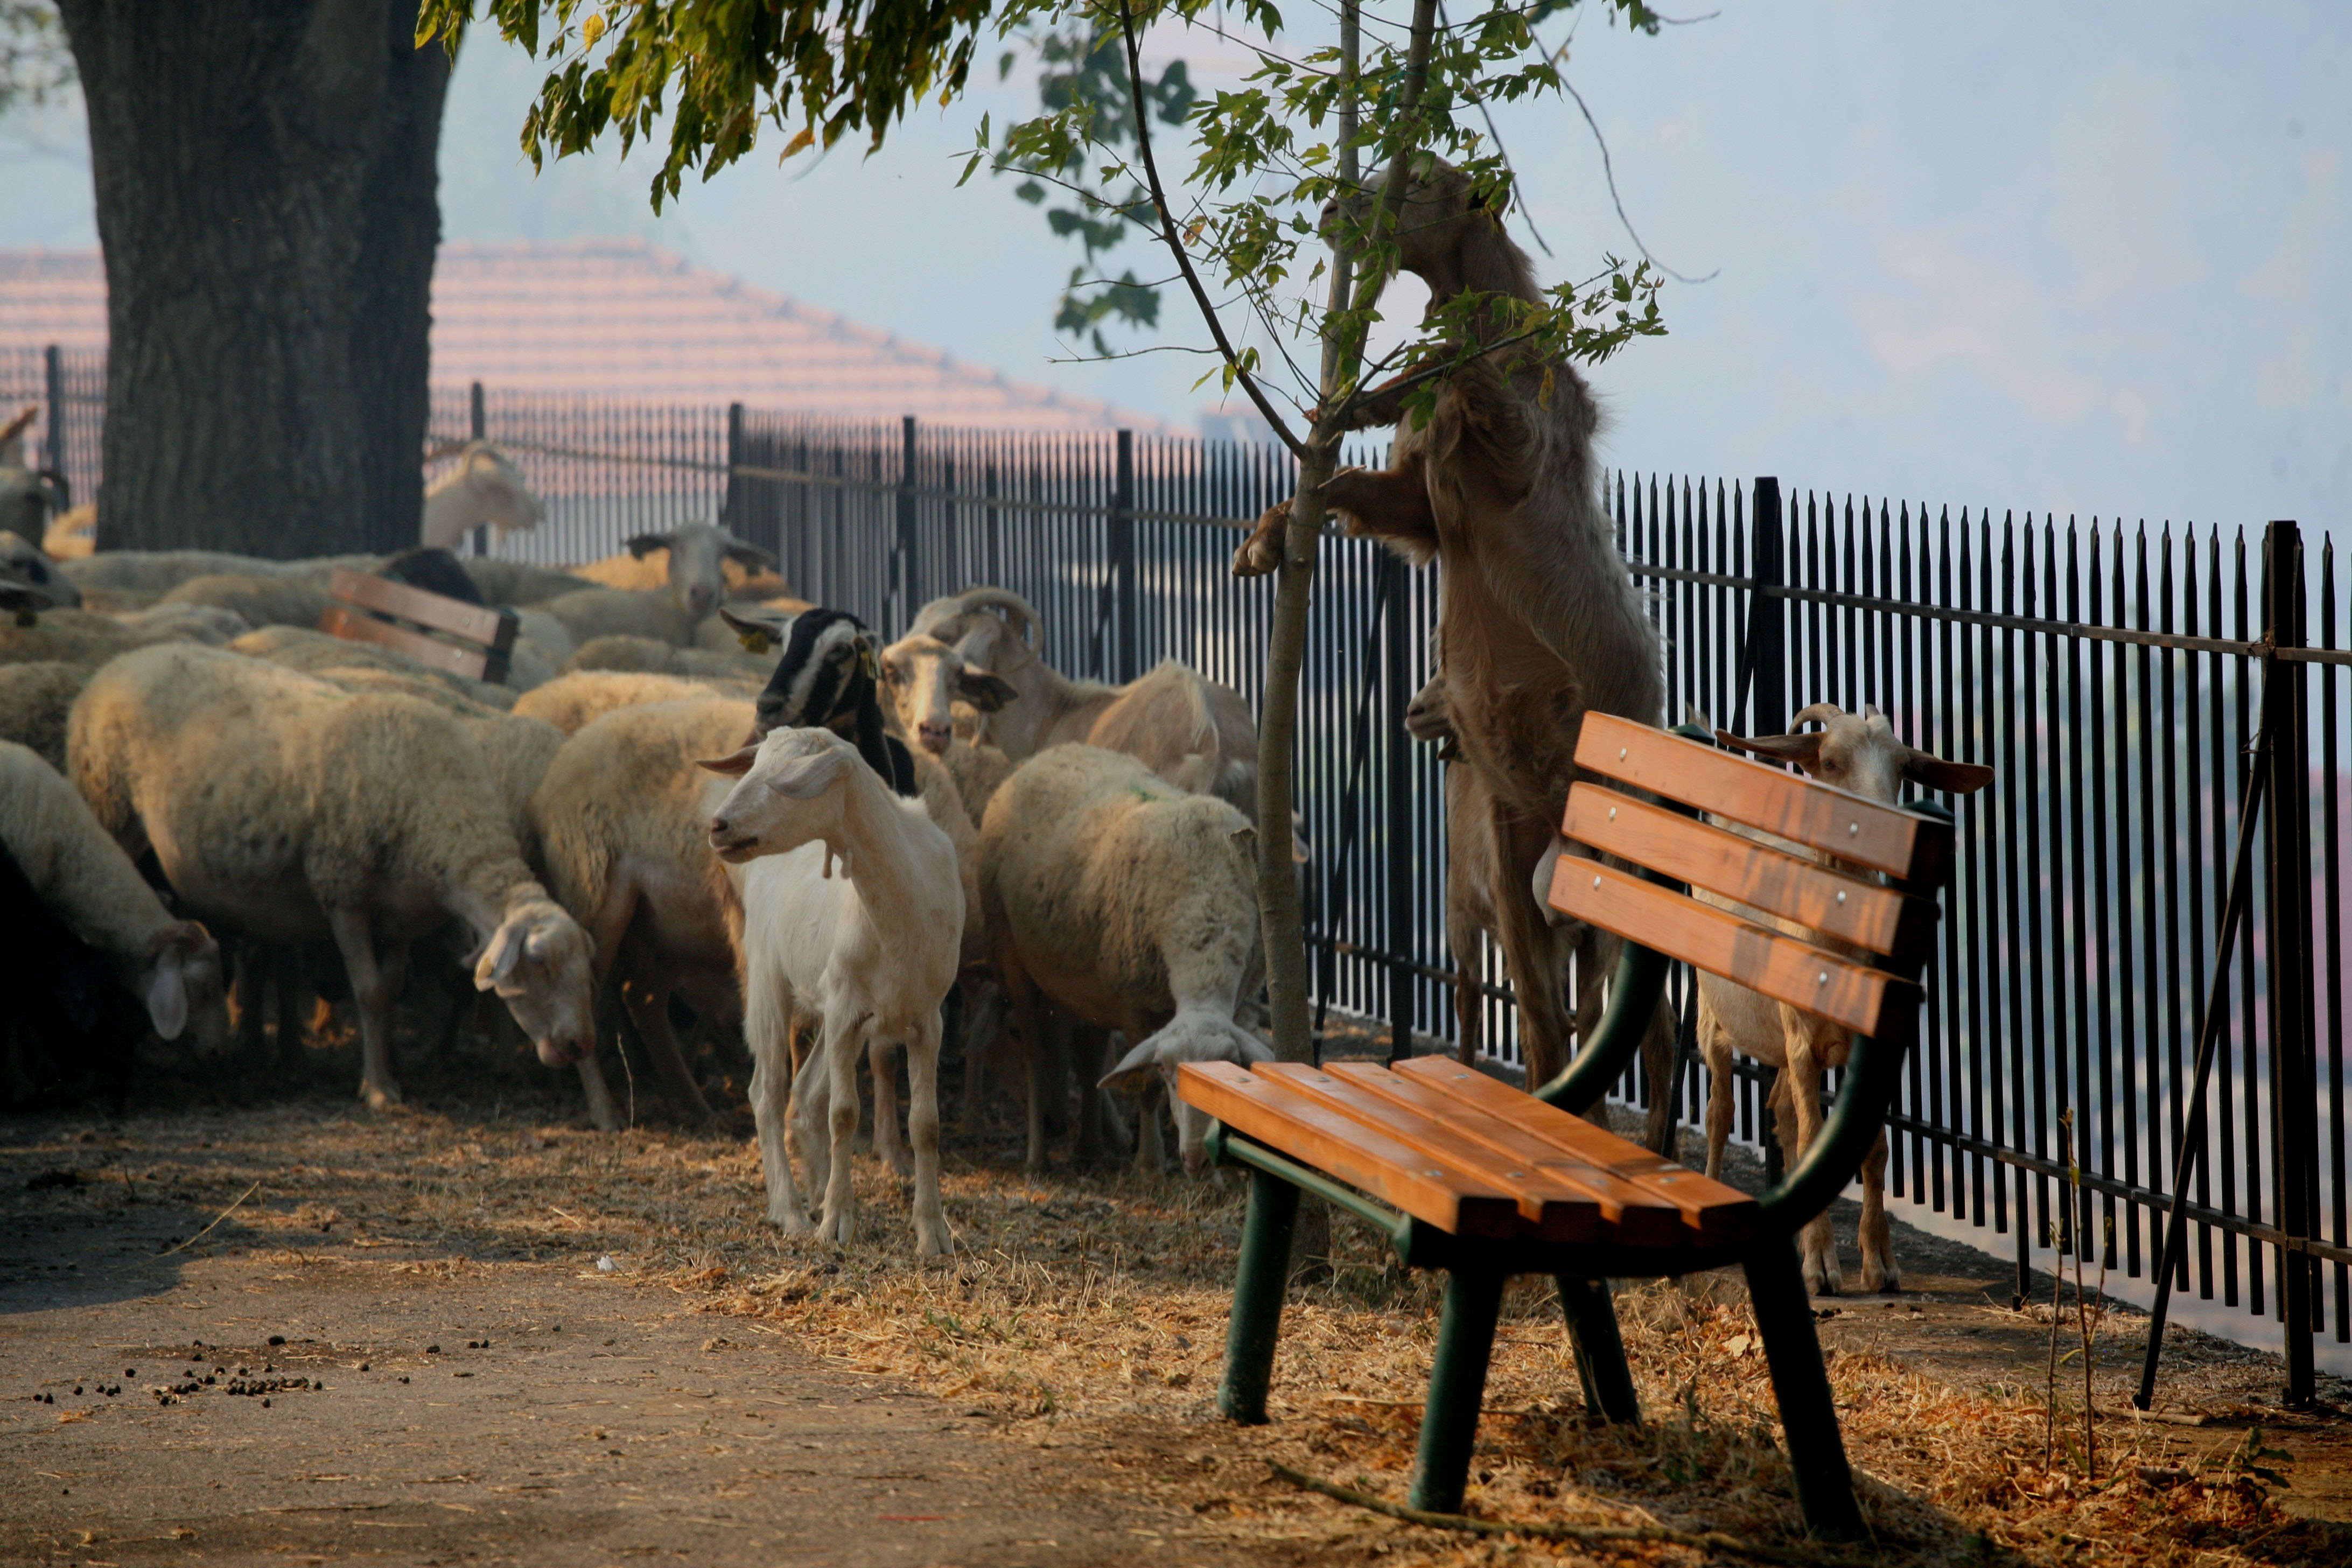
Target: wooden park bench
x: 1471, y: 1176
x: 472, y: 640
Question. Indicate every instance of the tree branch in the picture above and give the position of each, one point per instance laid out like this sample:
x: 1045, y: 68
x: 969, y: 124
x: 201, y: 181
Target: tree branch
x: 1176, y: 243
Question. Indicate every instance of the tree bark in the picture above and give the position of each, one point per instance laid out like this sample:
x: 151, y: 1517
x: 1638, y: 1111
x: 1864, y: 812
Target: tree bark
x: 268, y: 202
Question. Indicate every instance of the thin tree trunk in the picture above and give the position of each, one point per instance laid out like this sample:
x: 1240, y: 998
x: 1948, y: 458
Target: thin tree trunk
x: 265, y: 177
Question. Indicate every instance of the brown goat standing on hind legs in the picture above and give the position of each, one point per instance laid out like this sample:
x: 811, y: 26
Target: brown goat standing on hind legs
x: 1538, y: 620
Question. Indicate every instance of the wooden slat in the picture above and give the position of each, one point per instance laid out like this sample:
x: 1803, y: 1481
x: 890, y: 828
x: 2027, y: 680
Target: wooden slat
x: 1834, y: 821
x: 1720, y: 942
x: 1421, y: 1184
x: 1715, y: 1213
x: 489, y: 628
x: 353, y: 626
x: 1613, y: 1210
x: 1866, y: 913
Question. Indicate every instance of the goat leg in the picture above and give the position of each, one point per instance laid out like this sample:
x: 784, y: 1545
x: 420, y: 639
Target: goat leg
x: 843, y: 1035
x: 923, y: 1131
x: 1391, y: 505
x: 648, y: 1004
x: 772, y: 1106
x: 886, y: 1141
x: 1876, y: 1238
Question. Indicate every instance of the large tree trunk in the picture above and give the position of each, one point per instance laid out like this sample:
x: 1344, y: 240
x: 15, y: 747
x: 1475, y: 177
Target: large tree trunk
x: 267, y: 200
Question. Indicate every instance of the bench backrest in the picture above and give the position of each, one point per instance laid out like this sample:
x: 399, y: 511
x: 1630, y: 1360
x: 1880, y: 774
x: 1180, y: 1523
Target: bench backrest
x: 365, y: 607
x: 1843, y: 902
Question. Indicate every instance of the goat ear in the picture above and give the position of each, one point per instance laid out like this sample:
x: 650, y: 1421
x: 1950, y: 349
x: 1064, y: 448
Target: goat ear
x: 756, y: 637
x: 751, y: 555
x: 735, y: 764
x: 644, y: 544
x: 987, y: 692
x: 1960, y: 778
x: 1802, y: 749
x: 167, y: 996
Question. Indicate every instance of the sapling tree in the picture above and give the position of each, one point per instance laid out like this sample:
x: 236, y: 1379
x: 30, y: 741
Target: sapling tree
x: 1277, y: 203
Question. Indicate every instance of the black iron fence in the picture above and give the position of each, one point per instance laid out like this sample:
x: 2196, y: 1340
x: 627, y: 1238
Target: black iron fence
x: 2127, y: 686
x: 68, y: 388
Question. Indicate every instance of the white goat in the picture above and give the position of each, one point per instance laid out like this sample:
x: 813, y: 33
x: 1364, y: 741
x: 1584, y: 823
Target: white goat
x: 484, y: 487
x: 1860, y: 753
x: 871, y: 952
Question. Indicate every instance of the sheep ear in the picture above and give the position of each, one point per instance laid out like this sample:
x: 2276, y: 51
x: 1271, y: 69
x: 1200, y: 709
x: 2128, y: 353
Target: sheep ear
x: 498, y: 961
x: 987, y: 692
x: 805, y: 778
x: 1960, y: 778
x: 167, y: 998
x: 735, y: 764
x: 751, y: 555
x: 756, y: 637
x: 1802, y: 749
x: 644, y: 544
x: 1134, y: 1070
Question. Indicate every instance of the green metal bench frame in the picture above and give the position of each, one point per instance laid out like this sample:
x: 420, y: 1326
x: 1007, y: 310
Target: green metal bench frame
x: 1476, y: 1268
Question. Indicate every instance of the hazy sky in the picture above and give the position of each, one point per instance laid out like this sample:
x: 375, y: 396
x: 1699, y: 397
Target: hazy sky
x: 2094, y: 257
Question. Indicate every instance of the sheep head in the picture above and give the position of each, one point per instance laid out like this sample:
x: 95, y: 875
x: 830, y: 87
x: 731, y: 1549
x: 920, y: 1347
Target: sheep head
x: 539, y: 963
x: 768, y: 812
x: 925, y: 679
x: 24, y: 562
x: 697, y: 551
x: 1194, y: 1037
x: 1861, y: 752
x: 180, y: 981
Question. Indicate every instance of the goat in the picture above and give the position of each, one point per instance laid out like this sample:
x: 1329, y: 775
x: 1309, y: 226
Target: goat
x: 871, y: 951
x: 1860, y: 753
x: 483, y: 487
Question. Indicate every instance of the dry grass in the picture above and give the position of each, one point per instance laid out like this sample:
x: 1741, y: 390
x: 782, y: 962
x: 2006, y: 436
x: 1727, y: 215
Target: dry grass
x: 1088, y: 1312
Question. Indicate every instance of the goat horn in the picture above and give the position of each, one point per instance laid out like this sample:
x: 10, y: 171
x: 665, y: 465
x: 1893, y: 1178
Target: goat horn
x: 1018, y: 611
x: 23, y: 422
x: 1818, y: 713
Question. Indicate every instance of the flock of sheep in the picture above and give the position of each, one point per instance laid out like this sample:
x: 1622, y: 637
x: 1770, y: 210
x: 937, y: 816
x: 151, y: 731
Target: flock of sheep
x: 818, y: 841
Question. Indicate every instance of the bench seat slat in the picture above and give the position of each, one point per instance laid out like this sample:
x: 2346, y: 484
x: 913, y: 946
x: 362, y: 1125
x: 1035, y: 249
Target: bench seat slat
x: 1834, y: 821
x: 1713, y: 1212
x: 1868, y: 914
x: 1765, y: 960
x: 1268, y: 1109
x: 354, y: 627
x: 486, y: 627
x: 1554, y: 1206
x: 1613, y: 1209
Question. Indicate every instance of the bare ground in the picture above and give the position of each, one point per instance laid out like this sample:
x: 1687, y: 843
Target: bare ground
x: 721, y: 1393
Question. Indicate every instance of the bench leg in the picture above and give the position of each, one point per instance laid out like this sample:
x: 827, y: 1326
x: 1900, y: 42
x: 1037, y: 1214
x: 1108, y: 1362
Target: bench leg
x: 1784, y: 1318
x: 1257, y: 1298
x: 1457, y: 1384
x: 1600, y: 1351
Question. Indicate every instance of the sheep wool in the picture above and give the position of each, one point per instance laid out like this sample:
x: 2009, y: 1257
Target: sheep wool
x: 35, y: 698
x: 570, y: 702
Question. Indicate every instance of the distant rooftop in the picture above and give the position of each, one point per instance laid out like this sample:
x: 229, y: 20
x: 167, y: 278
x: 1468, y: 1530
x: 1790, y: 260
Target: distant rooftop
x: 620, y: 318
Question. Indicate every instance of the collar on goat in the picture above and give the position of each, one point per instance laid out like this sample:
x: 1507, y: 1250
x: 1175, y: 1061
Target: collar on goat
x: 825, y: 679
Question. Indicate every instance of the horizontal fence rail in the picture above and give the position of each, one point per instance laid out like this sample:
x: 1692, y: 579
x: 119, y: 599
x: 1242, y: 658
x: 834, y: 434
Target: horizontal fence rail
x: 2114, y: 677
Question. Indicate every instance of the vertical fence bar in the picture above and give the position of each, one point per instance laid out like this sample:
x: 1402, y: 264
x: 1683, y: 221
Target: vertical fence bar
x: 1128, y: 605
x: 1762, y: 672
x: 730, y: 510
x: 2295, y: 1131
x: 904, y: 577
x: 1396, y: 587
x: 53, y: 386
x: 478, y: 426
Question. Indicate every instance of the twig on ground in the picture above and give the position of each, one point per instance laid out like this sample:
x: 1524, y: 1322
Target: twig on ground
x: 217, y: 1219
x: 1698, y: 1540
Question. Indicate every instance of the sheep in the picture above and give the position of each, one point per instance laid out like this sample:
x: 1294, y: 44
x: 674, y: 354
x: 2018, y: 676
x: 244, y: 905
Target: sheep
x: 316, y: 653
x: 35, y: 698
x: 82, y: 637
x: 22, y: 561
x: 1860, y: 753
x: 650, y: 569
x: 1124, y: 903
x: 519, y: 584
x: 618, y: 823
x: 571, y: 701
x: 84, y: 877
x: 483, y: 487
x: 871, y: 952
x: 276, y: 803
x: 263, y: 600
x: 1194, y: 732
x: 648, y: 655
x: 158, y: 572
x: 697, y: 585
x: 72, y: 534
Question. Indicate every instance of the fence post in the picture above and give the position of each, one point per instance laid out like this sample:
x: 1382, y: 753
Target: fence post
x: 1128, y: 648
x: 908, y: 598
x: 478, y: 426
x: 730, y: 511
x: 53, y: 439
x: 2294, y: 1110
x: 1396, y: 584
x: 1762, y: 653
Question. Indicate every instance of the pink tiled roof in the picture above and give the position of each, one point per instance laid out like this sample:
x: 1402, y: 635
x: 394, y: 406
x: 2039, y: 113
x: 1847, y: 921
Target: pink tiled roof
x: 620, y: 318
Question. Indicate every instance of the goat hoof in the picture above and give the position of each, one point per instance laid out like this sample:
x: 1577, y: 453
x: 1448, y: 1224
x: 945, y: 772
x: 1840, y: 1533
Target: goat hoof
x: 931, y: 1244
x: 380, y: 1096
x: 791, y: 1222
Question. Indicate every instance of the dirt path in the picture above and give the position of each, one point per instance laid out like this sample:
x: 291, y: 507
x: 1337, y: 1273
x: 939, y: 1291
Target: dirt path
x: 511, y: 1411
